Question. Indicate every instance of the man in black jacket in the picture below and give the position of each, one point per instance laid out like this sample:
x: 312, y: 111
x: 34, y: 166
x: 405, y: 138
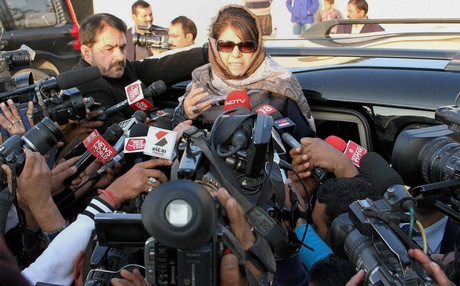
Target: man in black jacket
x: 103, y: 39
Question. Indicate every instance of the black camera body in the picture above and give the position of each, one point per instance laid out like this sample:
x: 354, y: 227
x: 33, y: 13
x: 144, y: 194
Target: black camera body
x: 428, y: 160
x: 69, y: 105
x: 182, y: 228
x: 40, y: 138
x: 15, y: 60
x: 370, y: 238
x: 153, y: 37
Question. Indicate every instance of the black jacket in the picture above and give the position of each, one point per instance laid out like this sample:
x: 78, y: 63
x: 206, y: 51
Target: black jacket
x: 170, y: 69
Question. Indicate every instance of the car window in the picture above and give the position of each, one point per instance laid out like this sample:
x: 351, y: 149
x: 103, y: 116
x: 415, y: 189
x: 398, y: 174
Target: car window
x: 30, y: 14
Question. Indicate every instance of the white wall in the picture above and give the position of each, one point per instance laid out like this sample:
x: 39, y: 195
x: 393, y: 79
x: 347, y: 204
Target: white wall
x: 201, y: 11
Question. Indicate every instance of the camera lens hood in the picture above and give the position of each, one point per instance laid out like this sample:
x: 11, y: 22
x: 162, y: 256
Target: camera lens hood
x: 180, y: 214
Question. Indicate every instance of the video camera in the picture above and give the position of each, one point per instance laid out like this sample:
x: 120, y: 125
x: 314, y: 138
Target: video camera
x: 153, y: 37
x: 15, y: 60
x: 55, y: 98
x: 428, y: 160
x: 182, y: 230
x: 370, y: 238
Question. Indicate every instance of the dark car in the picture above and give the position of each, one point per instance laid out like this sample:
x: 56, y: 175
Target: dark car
x: 368, y: 88
x: 44, y: 26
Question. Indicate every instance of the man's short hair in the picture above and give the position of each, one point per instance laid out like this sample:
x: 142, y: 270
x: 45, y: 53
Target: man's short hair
x: 320, y: 274
x: 94, y: 24
x: 360, y: 4
x: 188, y: 26
x: 338, y: 193
x: 139, y: 4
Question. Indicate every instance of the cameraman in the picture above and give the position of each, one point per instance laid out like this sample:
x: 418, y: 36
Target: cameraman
x: 56, y: 263
x: 103, y: 38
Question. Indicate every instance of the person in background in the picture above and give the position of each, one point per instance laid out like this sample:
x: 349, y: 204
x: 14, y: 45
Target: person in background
x: 329, y: 13
x: 104, y: 45
x: 262, y: 10
x: 142, y: 16
x: 302, y: 14
x: 182, y: 33
x: 357, y: 9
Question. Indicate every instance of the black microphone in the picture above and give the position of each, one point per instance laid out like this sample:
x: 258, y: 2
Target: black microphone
x: 65, y: 80
x: 379, y: 173
x: 110, y: 164
x: 111, y: 135
x: 154, y: 90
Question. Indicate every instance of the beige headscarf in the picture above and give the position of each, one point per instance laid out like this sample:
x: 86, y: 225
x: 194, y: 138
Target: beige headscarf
x: 216, y: 61
x: 265, y: 81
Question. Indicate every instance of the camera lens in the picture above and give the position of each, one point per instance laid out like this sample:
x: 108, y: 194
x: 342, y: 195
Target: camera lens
x: 440, y: 159
x: 180, y: 214
x: 42, y: 137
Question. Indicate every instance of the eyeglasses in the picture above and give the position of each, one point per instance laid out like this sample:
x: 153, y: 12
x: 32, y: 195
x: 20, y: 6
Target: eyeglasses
x: 244, y: 46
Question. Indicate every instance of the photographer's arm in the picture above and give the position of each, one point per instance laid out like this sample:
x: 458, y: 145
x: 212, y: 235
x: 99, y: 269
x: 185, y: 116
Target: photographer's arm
x: 34, y: 196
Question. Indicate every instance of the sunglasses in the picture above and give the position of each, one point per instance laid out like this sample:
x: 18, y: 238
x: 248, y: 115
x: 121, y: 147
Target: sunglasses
x: 244, y: 46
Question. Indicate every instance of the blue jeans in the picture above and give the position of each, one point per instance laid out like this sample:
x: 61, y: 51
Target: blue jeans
x: 299, y: 29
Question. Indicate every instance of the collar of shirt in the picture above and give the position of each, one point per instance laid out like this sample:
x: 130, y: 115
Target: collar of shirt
x: 434, y: 235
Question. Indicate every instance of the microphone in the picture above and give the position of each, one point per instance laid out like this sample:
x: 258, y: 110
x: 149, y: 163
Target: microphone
x: 237, y: 99
x: 137, y: 117
x: 65, y: 80
x: 135, y: 145
x: 353, y: 150
x: 111, y: 136
x: 154, y: 90
x: 379, y: 173
x: 110, y: 164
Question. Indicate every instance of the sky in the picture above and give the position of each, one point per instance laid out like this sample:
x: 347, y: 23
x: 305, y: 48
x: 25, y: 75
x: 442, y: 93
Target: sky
x: 202, y: 11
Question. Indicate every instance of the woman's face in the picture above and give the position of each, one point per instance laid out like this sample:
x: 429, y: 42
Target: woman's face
x: 236, y: 61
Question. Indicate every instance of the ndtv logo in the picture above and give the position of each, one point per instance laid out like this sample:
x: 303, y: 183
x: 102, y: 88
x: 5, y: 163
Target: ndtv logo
x: 235, y: 101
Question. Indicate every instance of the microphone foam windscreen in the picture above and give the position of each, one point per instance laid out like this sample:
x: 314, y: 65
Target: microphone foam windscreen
x: 139, y: 130
x: 155, y: 89
x: 76, y: 77
x: 237, y: 98
x: 337, y: 142
x: 379, y: 173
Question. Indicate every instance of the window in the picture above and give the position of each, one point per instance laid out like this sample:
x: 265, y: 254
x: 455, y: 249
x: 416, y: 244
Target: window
x: 30, y: 14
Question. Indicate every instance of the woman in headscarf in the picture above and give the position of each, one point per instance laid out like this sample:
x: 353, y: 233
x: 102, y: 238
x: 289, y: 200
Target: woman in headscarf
x: 237, y: 61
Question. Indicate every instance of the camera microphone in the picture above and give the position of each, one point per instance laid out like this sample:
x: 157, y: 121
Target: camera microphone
x: 379, y: 173
x: 154, y: 90
x: 111, y: 136
x: 65, y: 80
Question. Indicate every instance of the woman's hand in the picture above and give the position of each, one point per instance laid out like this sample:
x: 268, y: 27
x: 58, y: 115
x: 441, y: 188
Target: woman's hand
x: 192, y: 105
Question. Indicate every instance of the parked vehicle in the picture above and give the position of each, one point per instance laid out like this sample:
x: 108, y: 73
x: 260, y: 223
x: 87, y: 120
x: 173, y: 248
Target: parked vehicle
x: 368, y: 88
x: 49, y: 27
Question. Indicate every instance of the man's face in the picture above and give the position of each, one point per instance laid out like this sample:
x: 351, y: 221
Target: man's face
x: 177, y: 38
x: 319, y: 222
x: 108, y: 52
x: 355, y: 13
x: 144, y: 16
